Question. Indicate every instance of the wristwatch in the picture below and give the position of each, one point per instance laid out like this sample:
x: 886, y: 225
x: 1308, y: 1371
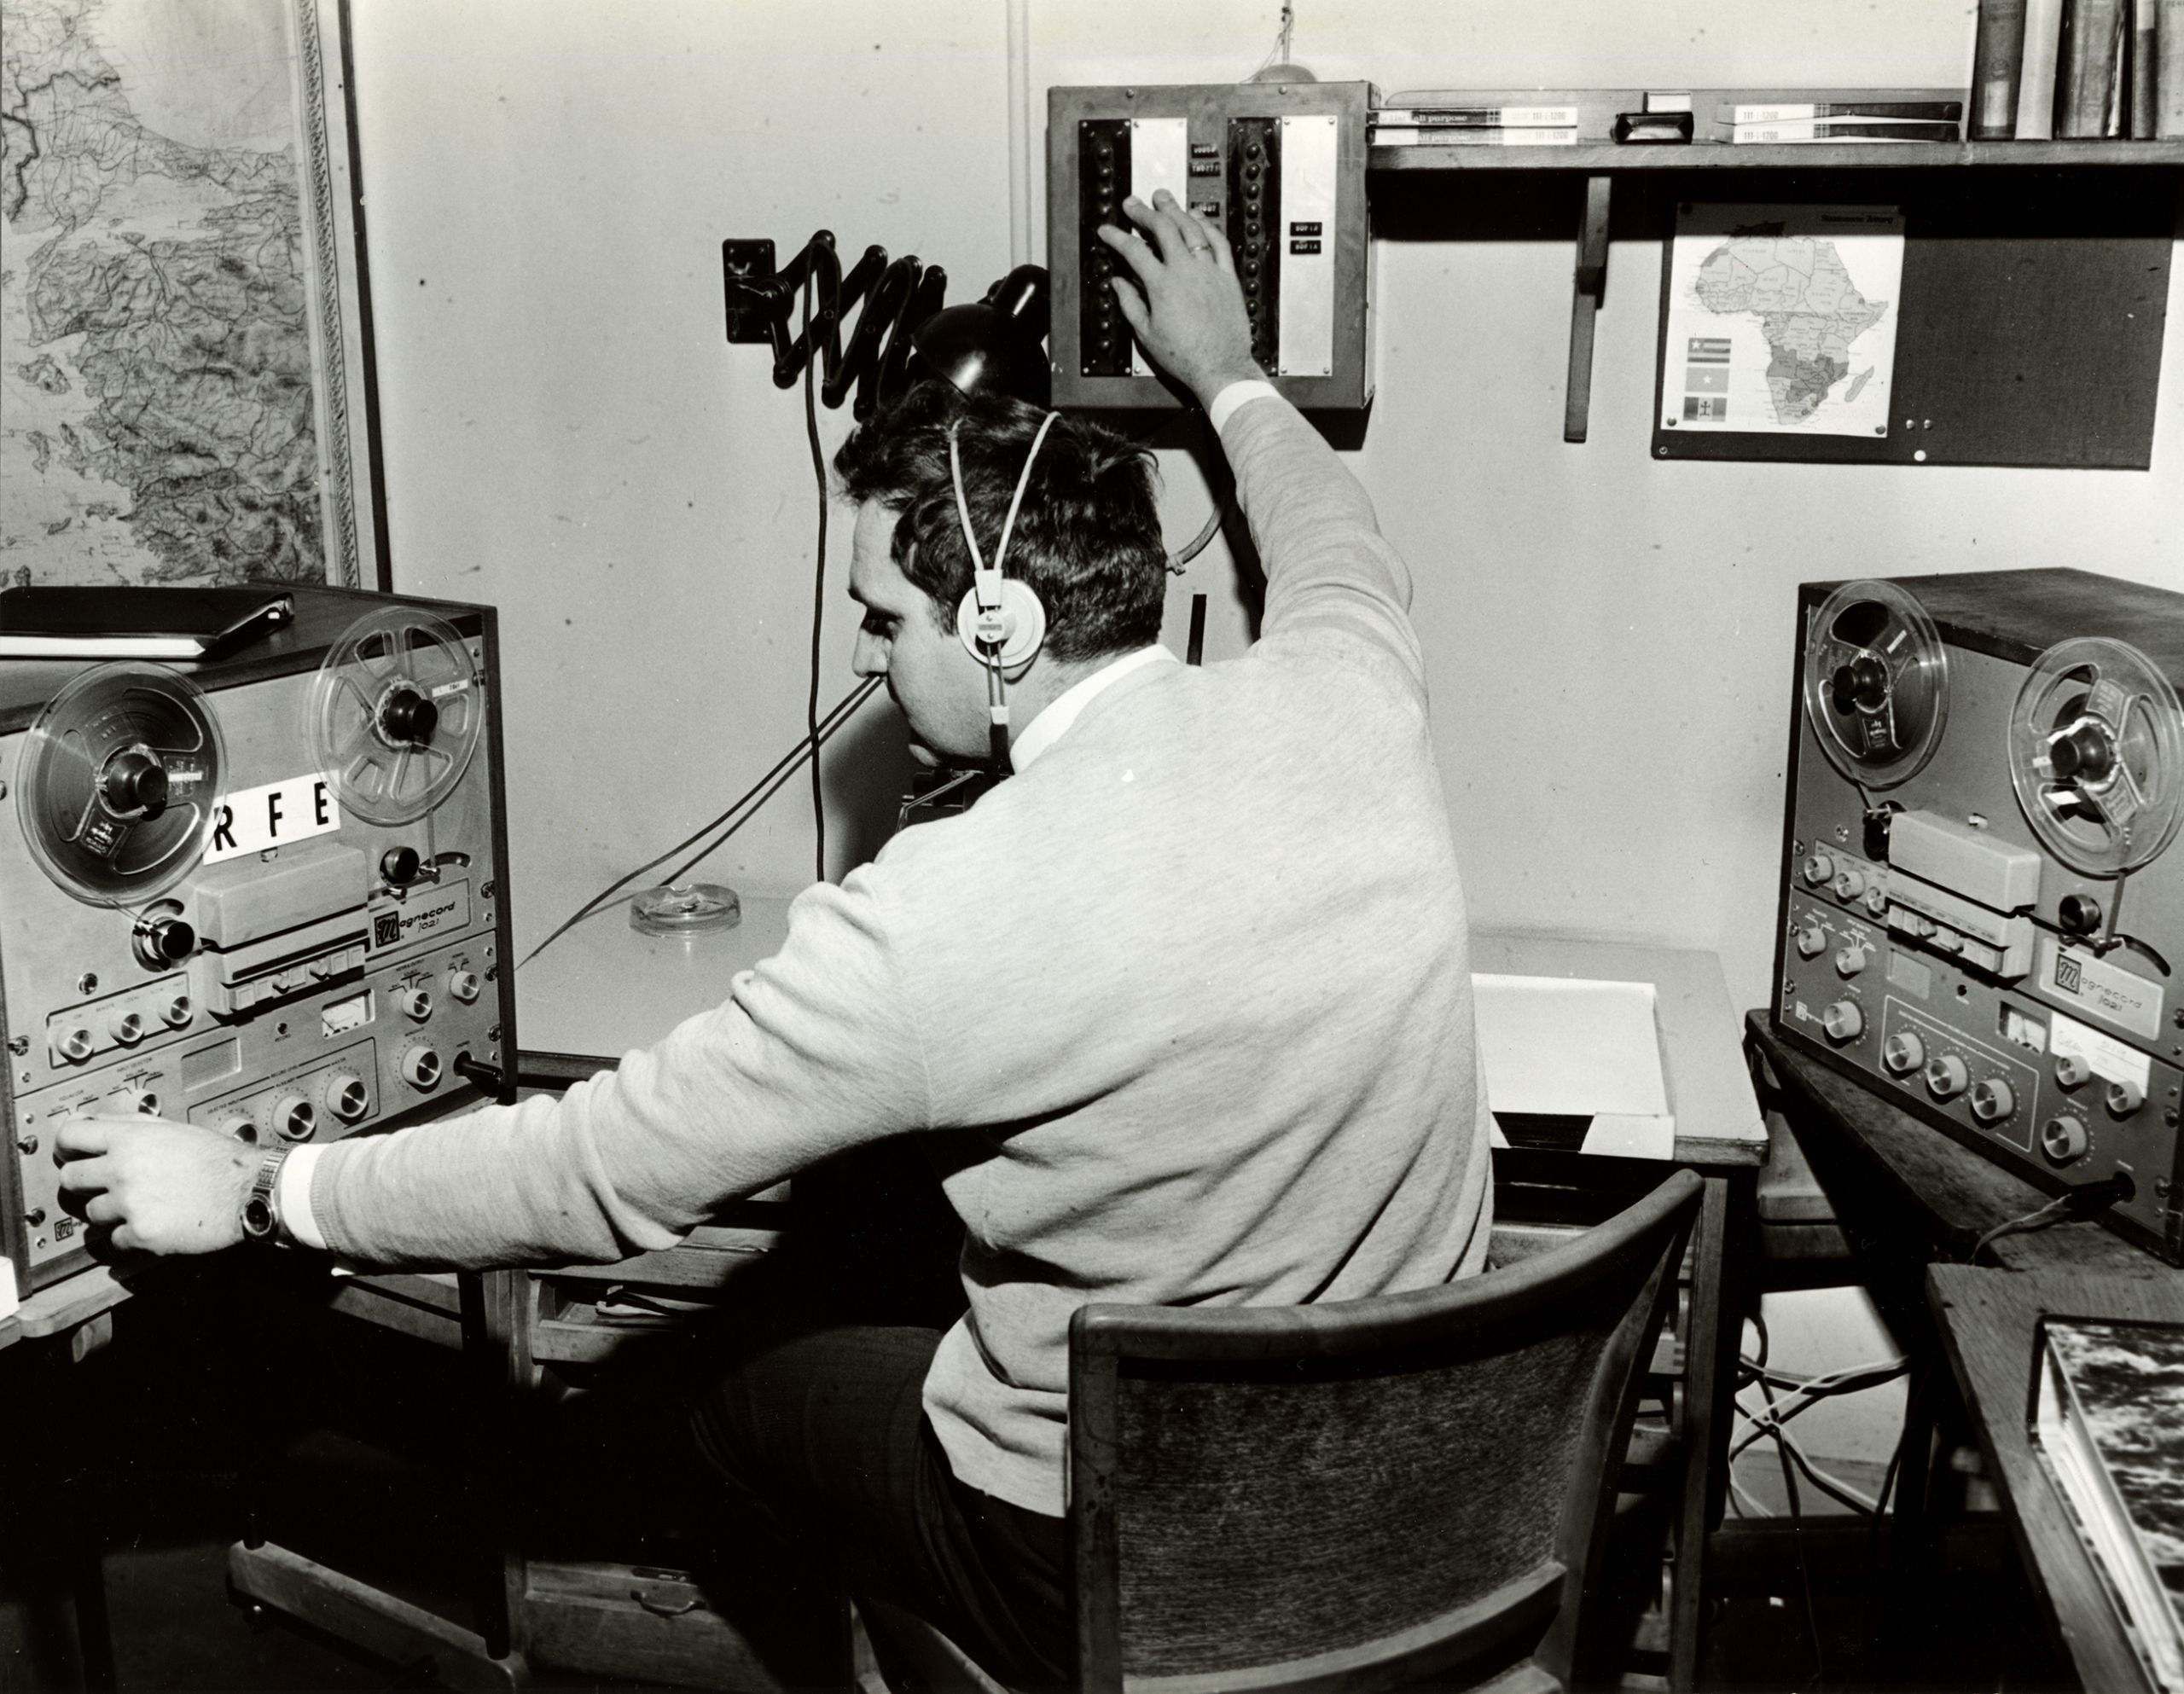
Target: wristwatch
x: 261, y: 1211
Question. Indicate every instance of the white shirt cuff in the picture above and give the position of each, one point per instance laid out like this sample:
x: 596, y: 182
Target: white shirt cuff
x: 291, y: 1195
x: 1238, y: 394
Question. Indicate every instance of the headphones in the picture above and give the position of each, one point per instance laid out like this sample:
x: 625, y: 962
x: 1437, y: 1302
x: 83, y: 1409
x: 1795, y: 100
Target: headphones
x: 1000, y: 621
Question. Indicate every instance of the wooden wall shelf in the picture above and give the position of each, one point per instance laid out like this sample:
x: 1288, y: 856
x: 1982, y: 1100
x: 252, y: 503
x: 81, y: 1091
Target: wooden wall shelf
x: 1599, y: 157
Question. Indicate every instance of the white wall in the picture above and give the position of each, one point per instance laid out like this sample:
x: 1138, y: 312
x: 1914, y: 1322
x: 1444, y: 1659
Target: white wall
x: 567, y: 435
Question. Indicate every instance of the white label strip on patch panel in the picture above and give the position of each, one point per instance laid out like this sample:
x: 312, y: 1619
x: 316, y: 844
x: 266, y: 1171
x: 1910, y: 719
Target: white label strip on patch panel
x: 1159, y: 158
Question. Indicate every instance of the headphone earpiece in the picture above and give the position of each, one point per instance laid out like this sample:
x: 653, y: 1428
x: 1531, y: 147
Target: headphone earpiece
x: 1018, y: 626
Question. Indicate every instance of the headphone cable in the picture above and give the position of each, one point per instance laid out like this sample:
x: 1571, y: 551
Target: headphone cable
x: 818, y: 610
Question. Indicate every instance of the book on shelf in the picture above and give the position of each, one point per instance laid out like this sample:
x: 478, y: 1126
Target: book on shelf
x: 2107, y: 1421
x: 1476, y: 117
x: 55, y: 622
x: 2169, y: 70
x: 1418, y: 135
x: 2090, y: 81
x: 2036, y: 76
x: 1998, y: 50
x: 1841, y: 129
x: 1797, y: 110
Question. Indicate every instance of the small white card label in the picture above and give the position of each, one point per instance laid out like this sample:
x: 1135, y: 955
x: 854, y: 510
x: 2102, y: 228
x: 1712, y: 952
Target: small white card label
x: 251, y: 819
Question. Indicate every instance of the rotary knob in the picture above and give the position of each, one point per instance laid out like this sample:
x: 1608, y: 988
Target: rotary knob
x: 1850, y: 959
x: 1812, y: 941
x: 240, y: 1124
x: 1842, y: 1021
x: 126, y: 1027
x: 2123, y: 1097
x: 347, y: 1097
x: 421, y: 1067
x: 1848, y: 883
x: 73, y: 1046
x: 1947, y: 1077
x: 295, y: 1118
x: 2072, y: 1071
x: 1902, y: 1053
x: 176, y: 1010
x: 1818, y: 868
x: 1992, y: 1100
x: 2063, y: 1139
x: 414, y: 1001
x: 464, y: 985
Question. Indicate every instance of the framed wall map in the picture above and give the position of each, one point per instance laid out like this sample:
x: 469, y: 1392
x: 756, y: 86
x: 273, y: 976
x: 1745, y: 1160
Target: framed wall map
x: 185, y: 342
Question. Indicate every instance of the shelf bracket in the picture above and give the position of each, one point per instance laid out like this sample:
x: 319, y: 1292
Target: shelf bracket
x: 1589, y: 290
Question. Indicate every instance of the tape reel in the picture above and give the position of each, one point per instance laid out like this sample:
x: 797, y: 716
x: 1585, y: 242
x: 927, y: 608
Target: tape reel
x: 1876, y: 683
x: 395, y: 714
x: 2097, y: 755
x: 118, y: 782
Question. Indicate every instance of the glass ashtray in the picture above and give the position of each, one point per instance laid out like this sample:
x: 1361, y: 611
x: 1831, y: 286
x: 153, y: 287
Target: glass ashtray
x: 685, y: 908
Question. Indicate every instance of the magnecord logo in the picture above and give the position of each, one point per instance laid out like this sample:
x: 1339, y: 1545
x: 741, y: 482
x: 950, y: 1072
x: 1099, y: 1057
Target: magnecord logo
x: 387, y: 929
x: 2067, y: 979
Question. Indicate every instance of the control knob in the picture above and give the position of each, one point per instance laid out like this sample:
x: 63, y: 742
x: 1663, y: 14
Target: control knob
x: 1992, y: 1100
x: 1819, y: 868
x: 176, y: 1010
x: 126, y: 1027
x: 1947, y: 1077
x: 415, y: 1001
x: 2072, y: 1072
x: 2063, y: 1139
x: 1902, y: 1053
x: 295, y: 1117
x: 1848, y: 883
x: 420, y: 1066
x: 240, y: 1124
x: 1812, y: 941
x: 1850, y: 959
x: 1842, y: 1021
x: 464, y: 985
x: 347, y: 1097
x: 2124, y: 1098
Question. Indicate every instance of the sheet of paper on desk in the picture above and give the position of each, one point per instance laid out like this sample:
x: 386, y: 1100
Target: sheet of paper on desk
x: 1559, y: 1047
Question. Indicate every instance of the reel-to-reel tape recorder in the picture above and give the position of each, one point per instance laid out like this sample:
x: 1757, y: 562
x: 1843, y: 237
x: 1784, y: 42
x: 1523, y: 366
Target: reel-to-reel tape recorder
x: 261, y: 893
x: 1983, y: 910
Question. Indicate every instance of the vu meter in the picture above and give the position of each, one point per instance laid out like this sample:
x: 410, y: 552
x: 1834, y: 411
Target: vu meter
x: 264, y: 893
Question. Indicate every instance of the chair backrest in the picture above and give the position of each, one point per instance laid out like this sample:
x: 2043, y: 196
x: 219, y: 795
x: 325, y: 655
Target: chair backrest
x: 1368, y: 1492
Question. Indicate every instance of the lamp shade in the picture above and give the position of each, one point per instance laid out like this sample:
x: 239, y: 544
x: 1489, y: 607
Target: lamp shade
x: 997, y: 344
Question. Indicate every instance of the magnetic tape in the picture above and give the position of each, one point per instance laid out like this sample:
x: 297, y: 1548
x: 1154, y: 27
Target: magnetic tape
x: 263, y: 893
x: 1982, y: 914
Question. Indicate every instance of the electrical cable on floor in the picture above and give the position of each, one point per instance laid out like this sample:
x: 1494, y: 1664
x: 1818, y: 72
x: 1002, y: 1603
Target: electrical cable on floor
x: 1798, y: 1534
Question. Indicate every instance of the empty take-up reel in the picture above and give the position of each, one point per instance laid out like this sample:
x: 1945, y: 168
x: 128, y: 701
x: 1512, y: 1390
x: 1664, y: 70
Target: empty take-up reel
x: 396, y: 711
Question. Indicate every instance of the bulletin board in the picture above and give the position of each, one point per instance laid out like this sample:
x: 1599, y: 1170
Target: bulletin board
x: 2029, y: 325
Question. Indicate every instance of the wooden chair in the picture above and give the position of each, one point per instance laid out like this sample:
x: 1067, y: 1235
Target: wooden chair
x: 1409, y: 1489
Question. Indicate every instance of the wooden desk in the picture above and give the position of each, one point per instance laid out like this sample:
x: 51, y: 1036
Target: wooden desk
x: 1919, y: 1204
x: 1986, y: 1319
x: 1719, y: 1133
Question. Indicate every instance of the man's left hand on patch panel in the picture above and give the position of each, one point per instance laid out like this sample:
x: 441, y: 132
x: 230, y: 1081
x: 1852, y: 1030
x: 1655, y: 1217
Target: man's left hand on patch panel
x: 151, y: 1185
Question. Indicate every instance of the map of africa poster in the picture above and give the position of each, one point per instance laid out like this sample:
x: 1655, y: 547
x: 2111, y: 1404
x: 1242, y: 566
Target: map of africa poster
x: 1781, y: 319
x: 184, y: 391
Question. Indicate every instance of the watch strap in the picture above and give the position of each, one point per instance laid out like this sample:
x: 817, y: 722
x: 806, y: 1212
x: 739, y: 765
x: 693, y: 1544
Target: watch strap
x: 261, y: 1208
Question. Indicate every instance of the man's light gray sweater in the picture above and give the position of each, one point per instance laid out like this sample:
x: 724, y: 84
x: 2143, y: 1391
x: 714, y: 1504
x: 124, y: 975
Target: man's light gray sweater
x: 1184, y: 1013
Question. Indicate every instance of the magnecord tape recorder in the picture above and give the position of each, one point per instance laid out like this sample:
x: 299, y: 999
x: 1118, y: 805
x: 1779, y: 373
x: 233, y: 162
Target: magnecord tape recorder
x: 1983, y: 903
x: 260, y: 893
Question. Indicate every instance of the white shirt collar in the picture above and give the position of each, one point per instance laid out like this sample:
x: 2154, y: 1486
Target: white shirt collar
x: 1064, y: 710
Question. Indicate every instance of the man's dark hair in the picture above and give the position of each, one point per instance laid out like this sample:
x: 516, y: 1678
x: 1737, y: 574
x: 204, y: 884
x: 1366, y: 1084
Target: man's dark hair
x: 1087, y: 537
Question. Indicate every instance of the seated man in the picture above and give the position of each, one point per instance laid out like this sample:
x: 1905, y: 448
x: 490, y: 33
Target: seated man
x: 1181, y: 1012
